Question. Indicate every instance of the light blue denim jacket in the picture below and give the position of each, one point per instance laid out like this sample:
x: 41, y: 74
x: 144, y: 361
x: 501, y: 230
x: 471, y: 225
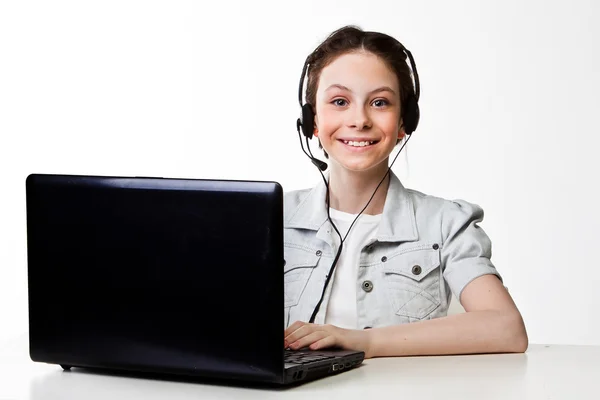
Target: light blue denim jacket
x: 426, y: 248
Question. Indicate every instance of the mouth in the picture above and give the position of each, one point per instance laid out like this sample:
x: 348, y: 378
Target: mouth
x: 358, y: 145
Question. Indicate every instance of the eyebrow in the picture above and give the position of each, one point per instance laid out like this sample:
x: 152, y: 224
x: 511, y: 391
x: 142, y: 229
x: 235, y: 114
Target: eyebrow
x: 380, y: 89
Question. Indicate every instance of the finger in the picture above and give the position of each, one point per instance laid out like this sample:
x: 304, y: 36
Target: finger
x: 328, y: 341
x: 303, y: 330
x: 306, y: 329
x: 293, y: 327
x: 309, y: 339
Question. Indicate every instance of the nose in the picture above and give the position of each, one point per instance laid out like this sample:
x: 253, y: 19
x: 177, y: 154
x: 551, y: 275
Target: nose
x: 360, y: 119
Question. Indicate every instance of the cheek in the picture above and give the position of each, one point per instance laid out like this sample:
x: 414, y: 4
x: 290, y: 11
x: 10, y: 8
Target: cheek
x: 389, y: 124
x: 328, y: 122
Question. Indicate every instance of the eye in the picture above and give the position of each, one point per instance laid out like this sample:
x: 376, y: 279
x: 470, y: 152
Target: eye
x: 339, y: 102
x: 380, y: 103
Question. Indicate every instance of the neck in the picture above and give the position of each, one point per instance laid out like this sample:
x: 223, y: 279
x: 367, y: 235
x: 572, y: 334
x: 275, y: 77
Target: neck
x: 349, y: 191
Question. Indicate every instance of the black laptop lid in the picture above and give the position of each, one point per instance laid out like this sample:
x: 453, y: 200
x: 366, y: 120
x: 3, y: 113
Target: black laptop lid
x: 170, y: 275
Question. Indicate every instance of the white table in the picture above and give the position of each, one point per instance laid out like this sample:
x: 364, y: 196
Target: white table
x: 544, y: 372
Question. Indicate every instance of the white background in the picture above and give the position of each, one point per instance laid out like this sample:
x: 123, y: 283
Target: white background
x: 509, y: 101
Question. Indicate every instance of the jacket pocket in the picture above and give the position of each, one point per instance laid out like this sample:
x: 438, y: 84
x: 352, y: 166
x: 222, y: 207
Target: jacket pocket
x: 299, y: 265
x: 413, y: 282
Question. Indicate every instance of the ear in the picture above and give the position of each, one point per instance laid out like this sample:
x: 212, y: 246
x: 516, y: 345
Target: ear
x: 401, y: 131
x: 316, y: 129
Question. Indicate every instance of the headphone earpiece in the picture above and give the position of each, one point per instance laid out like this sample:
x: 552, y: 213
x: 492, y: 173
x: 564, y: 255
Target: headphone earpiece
x: 308, y: 121
x: 411, y: 115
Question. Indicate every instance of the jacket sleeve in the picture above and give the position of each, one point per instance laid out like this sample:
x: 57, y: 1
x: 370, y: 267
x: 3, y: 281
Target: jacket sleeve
x: 467, y: 250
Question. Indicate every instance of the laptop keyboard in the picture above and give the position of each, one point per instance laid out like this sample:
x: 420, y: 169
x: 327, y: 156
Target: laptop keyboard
x: 303, y: 357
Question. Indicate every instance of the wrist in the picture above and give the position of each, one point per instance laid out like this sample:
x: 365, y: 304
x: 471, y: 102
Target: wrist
x: 367, y: 342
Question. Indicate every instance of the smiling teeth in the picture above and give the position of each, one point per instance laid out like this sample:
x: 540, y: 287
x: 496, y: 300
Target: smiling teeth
x: 359, y: 144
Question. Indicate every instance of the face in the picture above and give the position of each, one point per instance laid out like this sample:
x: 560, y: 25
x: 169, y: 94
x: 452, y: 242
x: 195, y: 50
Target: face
x: 358, y: 111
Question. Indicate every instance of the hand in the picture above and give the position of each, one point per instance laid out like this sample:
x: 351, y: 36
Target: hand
x: 301, y: 334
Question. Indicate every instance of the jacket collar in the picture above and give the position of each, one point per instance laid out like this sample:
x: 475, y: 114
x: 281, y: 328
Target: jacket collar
x: 397, y: 223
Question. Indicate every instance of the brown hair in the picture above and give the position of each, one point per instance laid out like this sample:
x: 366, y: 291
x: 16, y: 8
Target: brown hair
x: 350, y: 39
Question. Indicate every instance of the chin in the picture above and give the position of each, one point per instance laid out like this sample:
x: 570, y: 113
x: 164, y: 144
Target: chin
x: 360, y: 166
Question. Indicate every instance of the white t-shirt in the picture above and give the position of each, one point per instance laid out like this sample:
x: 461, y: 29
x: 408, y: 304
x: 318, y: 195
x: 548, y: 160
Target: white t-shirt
x: 341, y: 309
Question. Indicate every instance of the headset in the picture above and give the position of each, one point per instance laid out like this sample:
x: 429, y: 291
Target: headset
x: 305, y: 124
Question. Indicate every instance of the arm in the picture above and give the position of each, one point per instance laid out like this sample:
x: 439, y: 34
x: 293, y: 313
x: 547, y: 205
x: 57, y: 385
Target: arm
x: 492, y: 324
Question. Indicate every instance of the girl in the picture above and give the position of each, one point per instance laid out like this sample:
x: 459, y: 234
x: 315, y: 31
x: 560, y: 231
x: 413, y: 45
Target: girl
x: 371, y: 265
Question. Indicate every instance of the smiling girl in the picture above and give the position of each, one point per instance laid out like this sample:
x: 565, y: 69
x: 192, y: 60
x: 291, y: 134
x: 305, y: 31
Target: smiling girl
x: 372, y: 265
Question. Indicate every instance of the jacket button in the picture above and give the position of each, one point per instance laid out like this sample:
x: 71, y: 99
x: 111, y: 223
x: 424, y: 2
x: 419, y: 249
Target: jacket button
x: 367, y: 286
x: 384, y: 259
x: 416, y: 269
x: 436, y: 246
x: 319, y: 252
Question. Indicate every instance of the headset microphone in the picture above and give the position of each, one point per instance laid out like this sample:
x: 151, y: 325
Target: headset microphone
x: 319, y: 164
x: 308, y: 115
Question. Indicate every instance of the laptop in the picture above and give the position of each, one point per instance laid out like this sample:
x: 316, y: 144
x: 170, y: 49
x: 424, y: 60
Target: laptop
x: 161, y: 275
